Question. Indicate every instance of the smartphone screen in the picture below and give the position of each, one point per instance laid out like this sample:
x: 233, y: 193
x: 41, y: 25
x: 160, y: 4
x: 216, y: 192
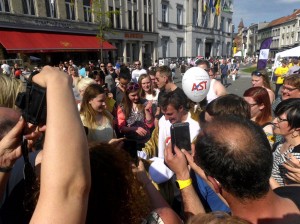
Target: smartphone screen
x: 180, y: 136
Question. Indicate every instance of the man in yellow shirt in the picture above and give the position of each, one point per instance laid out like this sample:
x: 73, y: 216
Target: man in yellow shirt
x: 280, y: 72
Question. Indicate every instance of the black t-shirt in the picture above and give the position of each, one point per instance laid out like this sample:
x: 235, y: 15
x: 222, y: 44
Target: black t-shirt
x: 290, y: 192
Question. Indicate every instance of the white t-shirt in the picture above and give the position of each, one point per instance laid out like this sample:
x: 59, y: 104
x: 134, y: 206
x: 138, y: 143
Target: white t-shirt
x: 136, y: 74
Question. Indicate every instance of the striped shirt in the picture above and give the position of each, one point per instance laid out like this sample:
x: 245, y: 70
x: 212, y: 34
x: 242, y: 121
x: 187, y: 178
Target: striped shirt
x: 278, y: 171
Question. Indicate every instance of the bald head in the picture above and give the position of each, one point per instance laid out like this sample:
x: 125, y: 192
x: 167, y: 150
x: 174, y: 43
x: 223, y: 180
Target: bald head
x: 8, y: 119
x: 236, y: 152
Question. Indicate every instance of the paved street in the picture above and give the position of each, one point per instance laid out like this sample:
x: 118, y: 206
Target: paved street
x: 238, y: 86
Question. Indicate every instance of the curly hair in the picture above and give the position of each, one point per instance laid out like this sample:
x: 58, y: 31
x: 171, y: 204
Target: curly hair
x: 115, y: 196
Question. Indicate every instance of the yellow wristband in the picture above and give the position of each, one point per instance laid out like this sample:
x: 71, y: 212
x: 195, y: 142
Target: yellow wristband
x: 181, y: 184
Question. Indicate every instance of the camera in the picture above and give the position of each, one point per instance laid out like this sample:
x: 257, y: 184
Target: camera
x: 33, y: 102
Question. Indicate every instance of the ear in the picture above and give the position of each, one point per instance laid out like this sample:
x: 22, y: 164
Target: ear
x: 180, y: 109
x: 217, y: 186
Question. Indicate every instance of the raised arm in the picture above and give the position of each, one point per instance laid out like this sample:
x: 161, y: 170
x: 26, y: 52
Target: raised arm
x: 65, y: 172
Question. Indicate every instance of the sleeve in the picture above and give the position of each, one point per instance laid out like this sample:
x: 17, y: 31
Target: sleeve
x: 120, y: 118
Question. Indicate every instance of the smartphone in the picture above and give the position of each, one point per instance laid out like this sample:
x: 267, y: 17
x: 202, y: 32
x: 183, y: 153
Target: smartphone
x: 130, y: 146
x: 180, y: 136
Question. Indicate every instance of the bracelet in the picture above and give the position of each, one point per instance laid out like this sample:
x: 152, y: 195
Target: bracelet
x: 5, y: 169
x: 181, y: 184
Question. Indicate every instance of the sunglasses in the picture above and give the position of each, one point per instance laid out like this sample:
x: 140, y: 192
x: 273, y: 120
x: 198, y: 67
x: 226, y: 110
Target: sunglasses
x: 137, y: 64
x: 257, y: 73
x: 132, y: 87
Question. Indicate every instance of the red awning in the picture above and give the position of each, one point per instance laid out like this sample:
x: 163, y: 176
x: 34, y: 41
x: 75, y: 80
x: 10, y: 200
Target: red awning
x: 30, y: 42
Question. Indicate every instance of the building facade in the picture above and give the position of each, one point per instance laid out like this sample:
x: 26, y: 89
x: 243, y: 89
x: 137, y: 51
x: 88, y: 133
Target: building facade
x: 132, y: 29
x: 190, y: 28
x: 285, y: 33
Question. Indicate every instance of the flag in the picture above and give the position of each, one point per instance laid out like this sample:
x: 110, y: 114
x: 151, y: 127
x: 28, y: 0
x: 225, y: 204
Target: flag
x: 218, y: 7
x: 204, y: 5
x: 264, y: 53
x: 211, y: 6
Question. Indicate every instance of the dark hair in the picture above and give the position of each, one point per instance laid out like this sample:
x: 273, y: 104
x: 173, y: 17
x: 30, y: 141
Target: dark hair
x: 261, y: 97
x: 202, y: 62
x: 115, y: 196
x: 124, y: 73
x: 229, y: 104
x: 225, y: 150
x: 165, y: 71
x: 175, y: 99
x: 126, y: 102
x: 292, y: 109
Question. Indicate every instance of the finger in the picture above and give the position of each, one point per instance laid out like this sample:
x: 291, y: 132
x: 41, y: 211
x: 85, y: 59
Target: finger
x: 16, y: 131
x: 188, y: 156
x: 290, y: 176
x: 168, y: 150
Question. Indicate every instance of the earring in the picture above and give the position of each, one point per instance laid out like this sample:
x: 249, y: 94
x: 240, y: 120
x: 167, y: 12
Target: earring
x: 294, y: 136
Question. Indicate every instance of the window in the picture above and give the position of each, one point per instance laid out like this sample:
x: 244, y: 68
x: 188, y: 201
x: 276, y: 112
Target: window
x: 216, y: 22
x: 222, y: 24
x: 135, y: 20
x: 51, y: 8
x: 195, y: 17
x: 118, y: 21
x: 70, y: 9
x: 4, y: 7
x: 165, y: 15
x: 87, y: 11
x: 165, y: 47
x: 150, y: 23
x: 111, y: 16
x: 28, y: 7
x: 129, y: 19
x: 145, y: 22
x: 179, y: 47
x: 179, y: 14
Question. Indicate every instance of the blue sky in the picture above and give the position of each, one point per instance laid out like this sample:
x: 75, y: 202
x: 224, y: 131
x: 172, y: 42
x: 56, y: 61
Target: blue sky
x: 255, y: 11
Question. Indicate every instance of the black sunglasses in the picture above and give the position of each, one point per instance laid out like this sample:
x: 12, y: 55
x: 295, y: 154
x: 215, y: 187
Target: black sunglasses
x: 257, y: 73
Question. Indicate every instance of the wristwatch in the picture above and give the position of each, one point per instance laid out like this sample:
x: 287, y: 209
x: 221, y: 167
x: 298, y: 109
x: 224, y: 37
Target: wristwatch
x: 181, y: 184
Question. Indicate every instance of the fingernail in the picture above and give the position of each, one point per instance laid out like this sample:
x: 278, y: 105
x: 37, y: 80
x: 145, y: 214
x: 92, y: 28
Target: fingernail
x: 21, y: 118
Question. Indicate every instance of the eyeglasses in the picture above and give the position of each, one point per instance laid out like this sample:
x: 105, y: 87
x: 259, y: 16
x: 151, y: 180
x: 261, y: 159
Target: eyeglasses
x: 132, y: 87
x: 102, y: 66
x: 288, y: 89
x: 137, y: 64
x: 279, y: 119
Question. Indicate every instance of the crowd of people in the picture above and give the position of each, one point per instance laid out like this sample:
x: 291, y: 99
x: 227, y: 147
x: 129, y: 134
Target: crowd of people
x: 243, y: 167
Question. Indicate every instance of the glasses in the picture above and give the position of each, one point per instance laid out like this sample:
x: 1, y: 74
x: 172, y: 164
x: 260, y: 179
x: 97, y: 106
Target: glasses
x: 279, y: 119
x: 137, y: 64
x: 132, y: 87
x: 102, y: 66
x: 288, y: 89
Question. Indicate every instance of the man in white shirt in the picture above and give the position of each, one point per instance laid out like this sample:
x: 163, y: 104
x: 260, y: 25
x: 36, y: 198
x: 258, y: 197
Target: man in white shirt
x: 175, y: 108
x: 137, y: 71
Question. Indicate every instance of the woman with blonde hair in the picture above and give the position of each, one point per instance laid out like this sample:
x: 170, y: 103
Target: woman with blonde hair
x: 94, y: 115
x: 10, y: 88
